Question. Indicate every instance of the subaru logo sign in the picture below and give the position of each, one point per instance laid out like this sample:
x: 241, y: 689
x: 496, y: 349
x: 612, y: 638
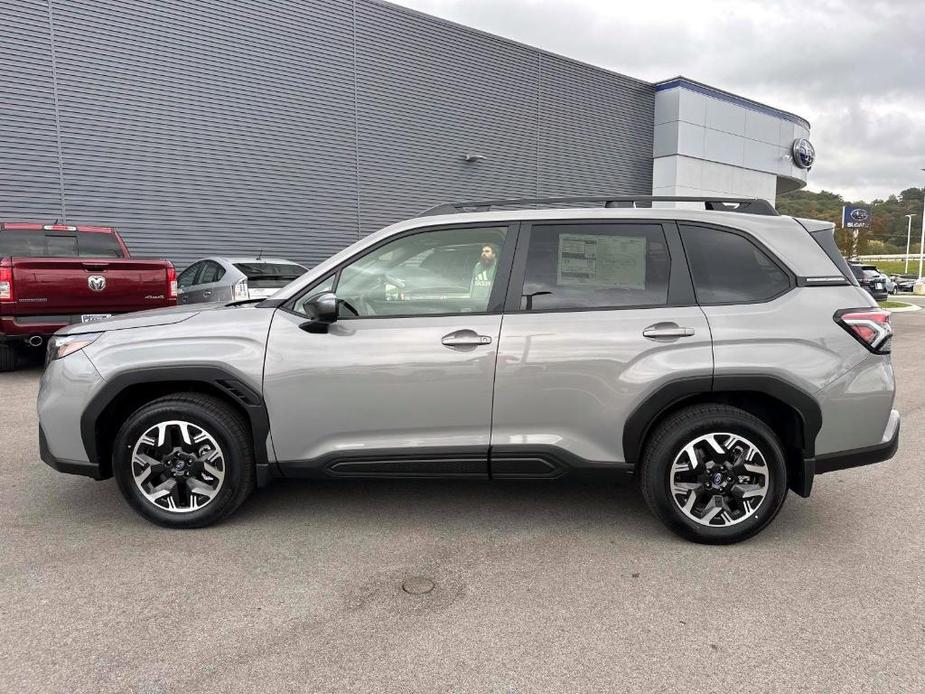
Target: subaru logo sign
x: 803, y: 152
x: 97, y: 283
x: 856, y: 217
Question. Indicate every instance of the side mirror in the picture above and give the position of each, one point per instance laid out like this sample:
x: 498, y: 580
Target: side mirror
x: 322, y: 311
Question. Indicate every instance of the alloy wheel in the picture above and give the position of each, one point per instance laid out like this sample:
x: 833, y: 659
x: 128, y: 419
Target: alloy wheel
x: 719, y: 479
x: 178, y: 466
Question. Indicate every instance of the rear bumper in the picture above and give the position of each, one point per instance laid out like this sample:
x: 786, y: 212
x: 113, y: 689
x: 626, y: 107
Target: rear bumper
x: 71, y: 467
x: 842, y: 460
x: 18, y: 328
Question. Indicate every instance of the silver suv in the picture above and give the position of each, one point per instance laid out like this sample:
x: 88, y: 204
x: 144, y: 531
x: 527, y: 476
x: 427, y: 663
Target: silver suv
x: 722, y: 355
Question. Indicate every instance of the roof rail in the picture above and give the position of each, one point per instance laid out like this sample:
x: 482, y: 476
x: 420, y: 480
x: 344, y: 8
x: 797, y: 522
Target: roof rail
x: 724, y: 204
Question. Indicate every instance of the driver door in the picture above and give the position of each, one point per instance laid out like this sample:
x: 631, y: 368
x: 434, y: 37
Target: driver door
x: 401, y: 384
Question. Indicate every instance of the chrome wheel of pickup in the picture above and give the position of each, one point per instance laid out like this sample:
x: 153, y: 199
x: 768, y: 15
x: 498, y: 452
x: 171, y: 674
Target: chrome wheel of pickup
x: 178, y: 466
x: 719, y: 479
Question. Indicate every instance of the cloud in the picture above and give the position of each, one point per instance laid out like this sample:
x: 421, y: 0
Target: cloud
x: 855, y: 69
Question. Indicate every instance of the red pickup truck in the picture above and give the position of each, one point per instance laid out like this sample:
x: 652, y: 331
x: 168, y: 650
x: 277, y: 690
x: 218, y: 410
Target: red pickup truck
x: 52, y: 275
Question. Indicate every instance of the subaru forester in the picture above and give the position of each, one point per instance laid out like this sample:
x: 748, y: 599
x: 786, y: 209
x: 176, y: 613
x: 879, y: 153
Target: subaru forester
x: 721, y: 355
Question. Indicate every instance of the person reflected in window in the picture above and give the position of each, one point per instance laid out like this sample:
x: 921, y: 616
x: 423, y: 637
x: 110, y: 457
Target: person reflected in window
x: 483, y: 274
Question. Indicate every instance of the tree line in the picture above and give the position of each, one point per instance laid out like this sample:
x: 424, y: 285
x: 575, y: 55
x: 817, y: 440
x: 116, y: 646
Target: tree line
x: 887, y: 233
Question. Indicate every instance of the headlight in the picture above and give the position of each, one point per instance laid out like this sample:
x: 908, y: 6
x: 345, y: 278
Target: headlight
x: 60, y: 346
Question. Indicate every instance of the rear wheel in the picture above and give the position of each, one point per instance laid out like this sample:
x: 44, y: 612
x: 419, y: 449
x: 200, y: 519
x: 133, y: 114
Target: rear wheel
x: 7, y: 357
x: 714, y: 474
x: 184, y: 460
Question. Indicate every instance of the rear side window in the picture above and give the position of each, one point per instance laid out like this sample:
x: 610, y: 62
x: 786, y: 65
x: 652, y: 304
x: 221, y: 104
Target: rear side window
x: 587, y: 266
x: 729, y: 269
x: 188, y: 276
x: 211, y: 272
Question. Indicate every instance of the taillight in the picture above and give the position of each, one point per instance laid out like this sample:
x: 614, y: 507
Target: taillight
x: 870, y: 326
x: 241, y: 292
x: 171, y: 281
x: 6, y: 281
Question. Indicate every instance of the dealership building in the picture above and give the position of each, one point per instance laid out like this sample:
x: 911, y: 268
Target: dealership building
x: 294, y: 127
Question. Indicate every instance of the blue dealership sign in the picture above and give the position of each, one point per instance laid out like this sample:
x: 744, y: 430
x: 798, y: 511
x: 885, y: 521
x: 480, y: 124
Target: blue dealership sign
x: 855, y: 217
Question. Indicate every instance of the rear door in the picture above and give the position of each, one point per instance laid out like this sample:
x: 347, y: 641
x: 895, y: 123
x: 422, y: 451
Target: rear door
x: 599, y: 315
x: 208, y: 282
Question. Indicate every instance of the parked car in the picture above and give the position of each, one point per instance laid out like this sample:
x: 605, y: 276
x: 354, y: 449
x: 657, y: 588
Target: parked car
x: 870, y: 281
x: 54, y: 275
x: 235, y: 279
x: 723, y: 356
x: 888, y: 283
x: 904, y: 283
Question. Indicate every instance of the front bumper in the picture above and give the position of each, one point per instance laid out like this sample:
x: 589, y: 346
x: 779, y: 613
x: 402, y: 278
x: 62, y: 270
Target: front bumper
x: 66, y: 387
x: 71, y: 467
x: 842, y: 460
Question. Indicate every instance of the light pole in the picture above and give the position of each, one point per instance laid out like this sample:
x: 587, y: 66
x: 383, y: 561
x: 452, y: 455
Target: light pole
x: 908, y: 238
x: 922, y: 241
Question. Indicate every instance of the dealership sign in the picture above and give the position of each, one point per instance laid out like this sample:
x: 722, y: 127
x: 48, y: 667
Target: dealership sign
x: 855, y: 217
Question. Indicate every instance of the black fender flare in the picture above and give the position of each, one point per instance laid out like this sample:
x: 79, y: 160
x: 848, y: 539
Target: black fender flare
x: 247, y: 398
x: 675, y: 392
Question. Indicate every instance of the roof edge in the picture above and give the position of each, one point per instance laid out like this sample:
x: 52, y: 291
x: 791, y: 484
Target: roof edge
x: 716, y: 93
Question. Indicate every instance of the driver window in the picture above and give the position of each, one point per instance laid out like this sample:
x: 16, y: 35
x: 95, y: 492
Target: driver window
x: 445, y: 271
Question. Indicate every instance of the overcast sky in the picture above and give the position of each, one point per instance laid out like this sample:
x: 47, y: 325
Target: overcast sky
x: 855, y: 69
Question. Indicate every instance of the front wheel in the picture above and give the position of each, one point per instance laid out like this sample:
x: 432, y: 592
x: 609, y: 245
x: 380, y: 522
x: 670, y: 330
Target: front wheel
x: 184, y: 460
x: 714, y: 474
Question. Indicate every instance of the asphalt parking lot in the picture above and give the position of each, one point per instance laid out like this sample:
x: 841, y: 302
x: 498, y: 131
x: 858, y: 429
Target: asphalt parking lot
x: 542, y: 587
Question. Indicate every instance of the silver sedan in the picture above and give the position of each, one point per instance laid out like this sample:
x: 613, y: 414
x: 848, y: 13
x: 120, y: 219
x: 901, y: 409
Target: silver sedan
x: 222, y: 279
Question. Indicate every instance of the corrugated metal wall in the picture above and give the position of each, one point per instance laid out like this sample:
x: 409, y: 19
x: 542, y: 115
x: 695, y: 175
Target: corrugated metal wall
x: 288, y: 126
x: 30, y: 186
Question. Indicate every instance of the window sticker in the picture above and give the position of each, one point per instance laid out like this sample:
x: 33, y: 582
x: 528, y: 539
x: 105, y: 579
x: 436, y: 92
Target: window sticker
x: 612, y: 262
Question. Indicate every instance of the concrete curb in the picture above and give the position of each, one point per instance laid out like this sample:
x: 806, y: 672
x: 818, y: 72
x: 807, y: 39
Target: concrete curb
x: 907, y: 308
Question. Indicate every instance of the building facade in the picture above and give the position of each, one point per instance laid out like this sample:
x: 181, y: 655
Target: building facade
x: 294, y: 127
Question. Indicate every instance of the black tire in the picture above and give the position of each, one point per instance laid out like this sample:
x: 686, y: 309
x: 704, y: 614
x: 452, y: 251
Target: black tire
x: 666, y: 443
x: 223, y: 423
x: 7, y: 357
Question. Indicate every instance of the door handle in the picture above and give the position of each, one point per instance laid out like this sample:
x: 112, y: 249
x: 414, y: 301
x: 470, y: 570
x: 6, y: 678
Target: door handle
x: 207, y: 292
x: 465, y: 338
x: 666, y: 331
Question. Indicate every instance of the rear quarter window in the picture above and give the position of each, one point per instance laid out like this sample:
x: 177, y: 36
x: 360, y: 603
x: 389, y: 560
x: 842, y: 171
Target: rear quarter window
x: 728, y: 268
